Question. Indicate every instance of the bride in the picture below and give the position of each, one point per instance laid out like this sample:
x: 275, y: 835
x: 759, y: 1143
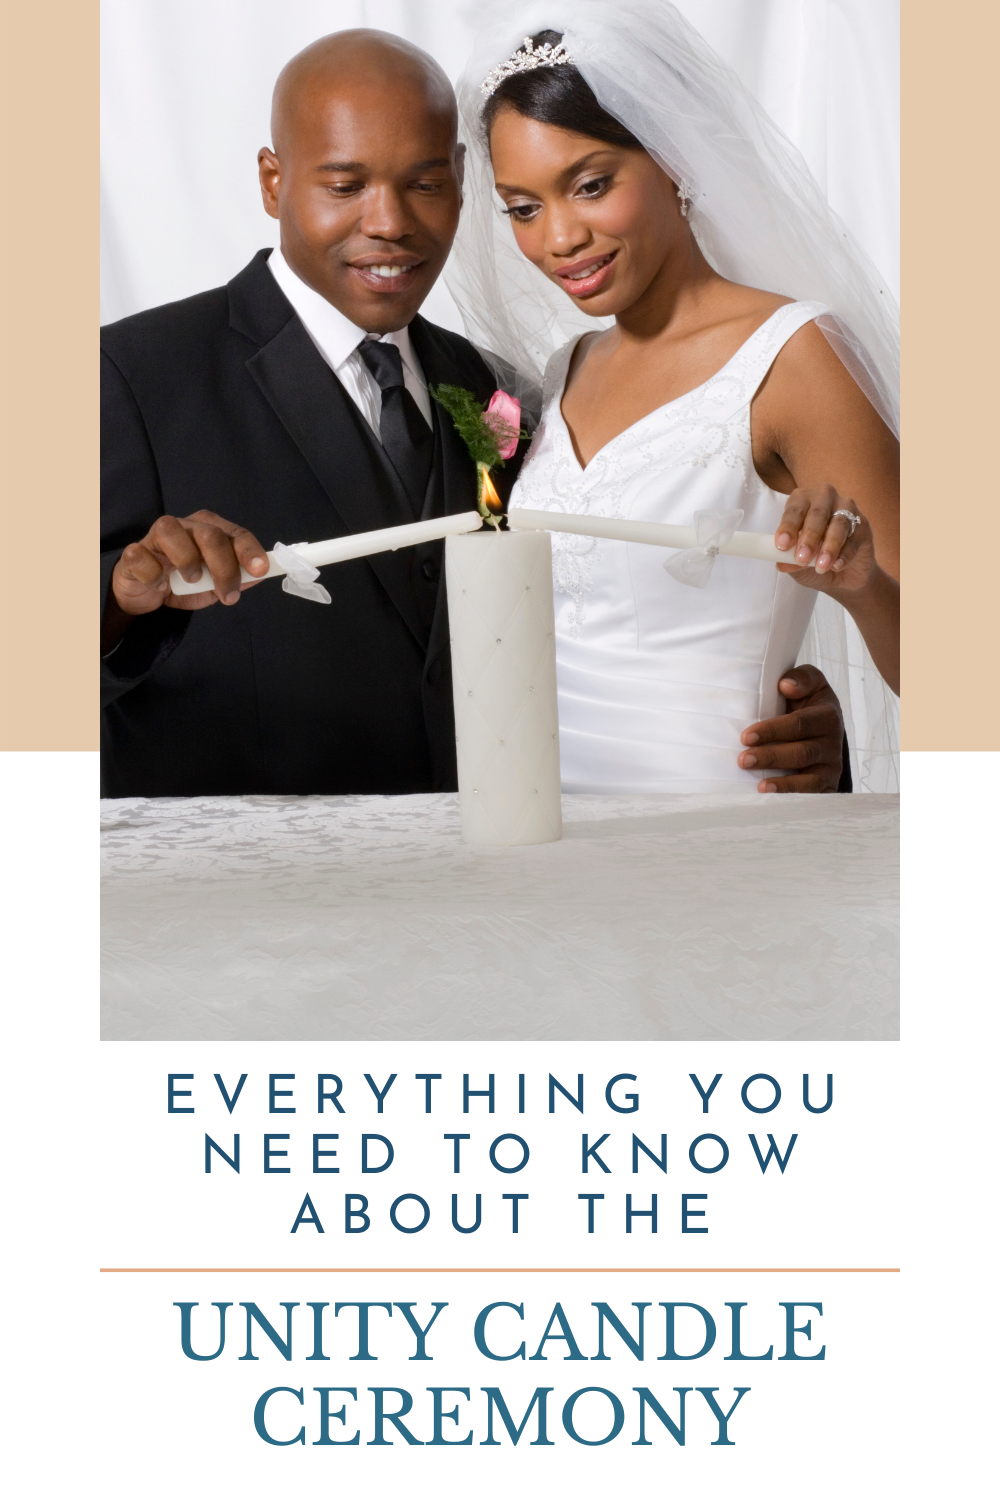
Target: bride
x: 749, y: 367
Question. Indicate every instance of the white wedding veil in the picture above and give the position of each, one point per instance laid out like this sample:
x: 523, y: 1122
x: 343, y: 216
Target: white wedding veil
x: 760, y: 218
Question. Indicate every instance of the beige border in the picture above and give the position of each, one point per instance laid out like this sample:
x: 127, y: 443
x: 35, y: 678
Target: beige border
x: 48, y: 378
x: 951, y: 231
x: 49, y: 274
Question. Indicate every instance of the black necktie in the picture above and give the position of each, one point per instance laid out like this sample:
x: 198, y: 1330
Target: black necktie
x: 406, y: 437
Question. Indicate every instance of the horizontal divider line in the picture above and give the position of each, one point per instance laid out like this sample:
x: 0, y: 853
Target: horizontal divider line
x: 502, y: 1270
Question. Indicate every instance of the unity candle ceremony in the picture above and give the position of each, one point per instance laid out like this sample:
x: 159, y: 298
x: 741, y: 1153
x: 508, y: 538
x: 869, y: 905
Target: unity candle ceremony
x: 286, y: 560
x: 344, y: 801
x: 502, y: 633
x: 344, y: 411
x: 502, y: 624
x: 501, y: 612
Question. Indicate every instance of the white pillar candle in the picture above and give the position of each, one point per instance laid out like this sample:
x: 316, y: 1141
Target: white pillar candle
x: 503, y: 662
x: 654, y: 533
x: 344, y: 548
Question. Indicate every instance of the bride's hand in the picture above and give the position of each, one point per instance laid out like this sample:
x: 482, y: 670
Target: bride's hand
x: 824, y: 550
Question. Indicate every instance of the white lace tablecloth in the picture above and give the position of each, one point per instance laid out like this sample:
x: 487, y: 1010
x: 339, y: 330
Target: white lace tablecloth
x: 671, y: 917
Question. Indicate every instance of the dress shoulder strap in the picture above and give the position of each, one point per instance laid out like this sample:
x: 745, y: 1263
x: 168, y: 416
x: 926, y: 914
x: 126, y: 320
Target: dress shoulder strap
x: 758, y: 354
x: 554, y: 379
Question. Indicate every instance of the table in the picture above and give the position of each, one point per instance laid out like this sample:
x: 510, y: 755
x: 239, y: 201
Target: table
x: 656, y: 917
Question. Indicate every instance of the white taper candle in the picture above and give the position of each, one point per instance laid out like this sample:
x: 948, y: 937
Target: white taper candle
x: 741, y: 544
x: 503, y: 661
x: 344, y: 548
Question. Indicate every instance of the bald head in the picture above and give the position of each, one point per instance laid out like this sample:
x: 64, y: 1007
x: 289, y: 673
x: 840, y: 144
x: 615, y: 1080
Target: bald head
x: 365, y: 173
x: 354, y: 64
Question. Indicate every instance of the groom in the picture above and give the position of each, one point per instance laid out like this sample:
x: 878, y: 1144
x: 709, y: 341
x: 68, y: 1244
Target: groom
x: 293, y: 405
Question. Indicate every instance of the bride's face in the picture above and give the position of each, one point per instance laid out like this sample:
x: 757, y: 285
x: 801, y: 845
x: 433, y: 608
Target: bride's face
x: 598, y: 220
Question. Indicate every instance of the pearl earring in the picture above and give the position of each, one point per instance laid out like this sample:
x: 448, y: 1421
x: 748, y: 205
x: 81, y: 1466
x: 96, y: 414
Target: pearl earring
x: 684, y: 194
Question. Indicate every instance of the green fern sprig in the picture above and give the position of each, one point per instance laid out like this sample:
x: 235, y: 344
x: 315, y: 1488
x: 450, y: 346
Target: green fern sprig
x: 467, y: 414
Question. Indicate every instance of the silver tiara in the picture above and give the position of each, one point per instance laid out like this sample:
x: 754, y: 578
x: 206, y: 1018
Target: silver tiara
x: 524, y: 60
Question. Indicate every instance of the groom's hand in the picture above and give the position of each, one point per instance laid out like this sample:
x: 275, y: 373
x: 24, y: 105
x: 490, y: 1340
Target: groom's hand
x: 141, y: 579
x: 801, y: 751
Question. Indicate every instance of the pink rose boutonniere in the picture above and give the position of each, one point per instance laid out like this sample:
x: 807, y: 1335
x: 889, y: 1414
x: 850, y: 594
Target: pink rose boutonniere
x: 503, y: 416
x: 491, y: 434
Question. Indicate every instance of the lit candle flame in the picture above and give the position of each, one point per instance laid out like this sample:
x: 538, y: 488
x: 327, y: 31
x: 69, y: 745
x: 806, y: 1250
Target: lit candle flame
x: 490, y: 499
x: 491, y: 504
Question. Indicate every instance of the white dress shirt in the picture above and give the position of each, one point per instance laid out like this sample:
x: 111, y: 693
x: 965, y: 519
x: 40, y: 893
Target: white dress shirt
x: 337, y: 340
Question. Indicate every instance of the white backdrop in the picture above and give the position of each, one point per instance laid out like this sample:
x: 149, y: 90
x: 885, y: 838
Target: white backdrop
x: 186, y: 87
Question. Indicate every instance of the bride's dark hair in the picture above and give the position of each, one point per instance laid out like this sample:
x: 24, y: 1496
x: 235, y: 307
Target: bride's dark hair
x: 558, y: 96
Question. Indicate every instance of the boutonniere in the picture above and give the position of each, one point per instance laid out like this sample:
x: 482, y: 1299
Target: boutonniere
x: 491, y: 434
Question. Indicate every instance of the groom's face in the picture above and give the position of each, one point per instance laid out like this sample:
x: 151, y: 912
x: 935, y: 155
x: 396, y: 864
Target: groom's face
x: 365, y: 179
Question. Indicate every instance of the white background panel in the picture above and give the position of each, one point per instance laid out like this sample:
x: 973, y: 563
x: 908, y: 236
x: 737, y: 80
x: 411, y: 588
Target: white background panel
x: 186, y: 89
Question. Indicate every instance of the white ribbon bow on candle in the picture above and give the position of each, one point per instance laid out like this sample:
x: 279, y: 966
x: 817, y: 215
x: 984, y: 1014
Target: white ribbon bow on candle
x: 713, y: 528
x: 300, y: 577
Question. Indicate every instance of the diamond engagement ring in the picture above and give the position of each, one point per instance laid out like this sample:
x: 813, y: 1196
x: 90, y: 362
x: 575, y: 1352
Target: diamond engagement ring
x: 848, y: 515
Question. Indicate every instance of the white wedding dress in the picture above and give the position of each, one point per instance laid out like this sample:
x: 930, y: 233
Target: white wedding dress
x: 657, y: 680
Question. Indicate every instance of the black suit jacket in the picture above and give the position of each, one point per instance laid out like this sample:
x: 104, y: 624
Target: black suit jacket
x: 222, y: 402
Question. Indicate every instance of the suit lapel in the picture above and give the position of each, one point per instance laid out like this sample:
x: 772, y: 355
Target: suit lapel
x: 324, y: 424
x: 455, y: 473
